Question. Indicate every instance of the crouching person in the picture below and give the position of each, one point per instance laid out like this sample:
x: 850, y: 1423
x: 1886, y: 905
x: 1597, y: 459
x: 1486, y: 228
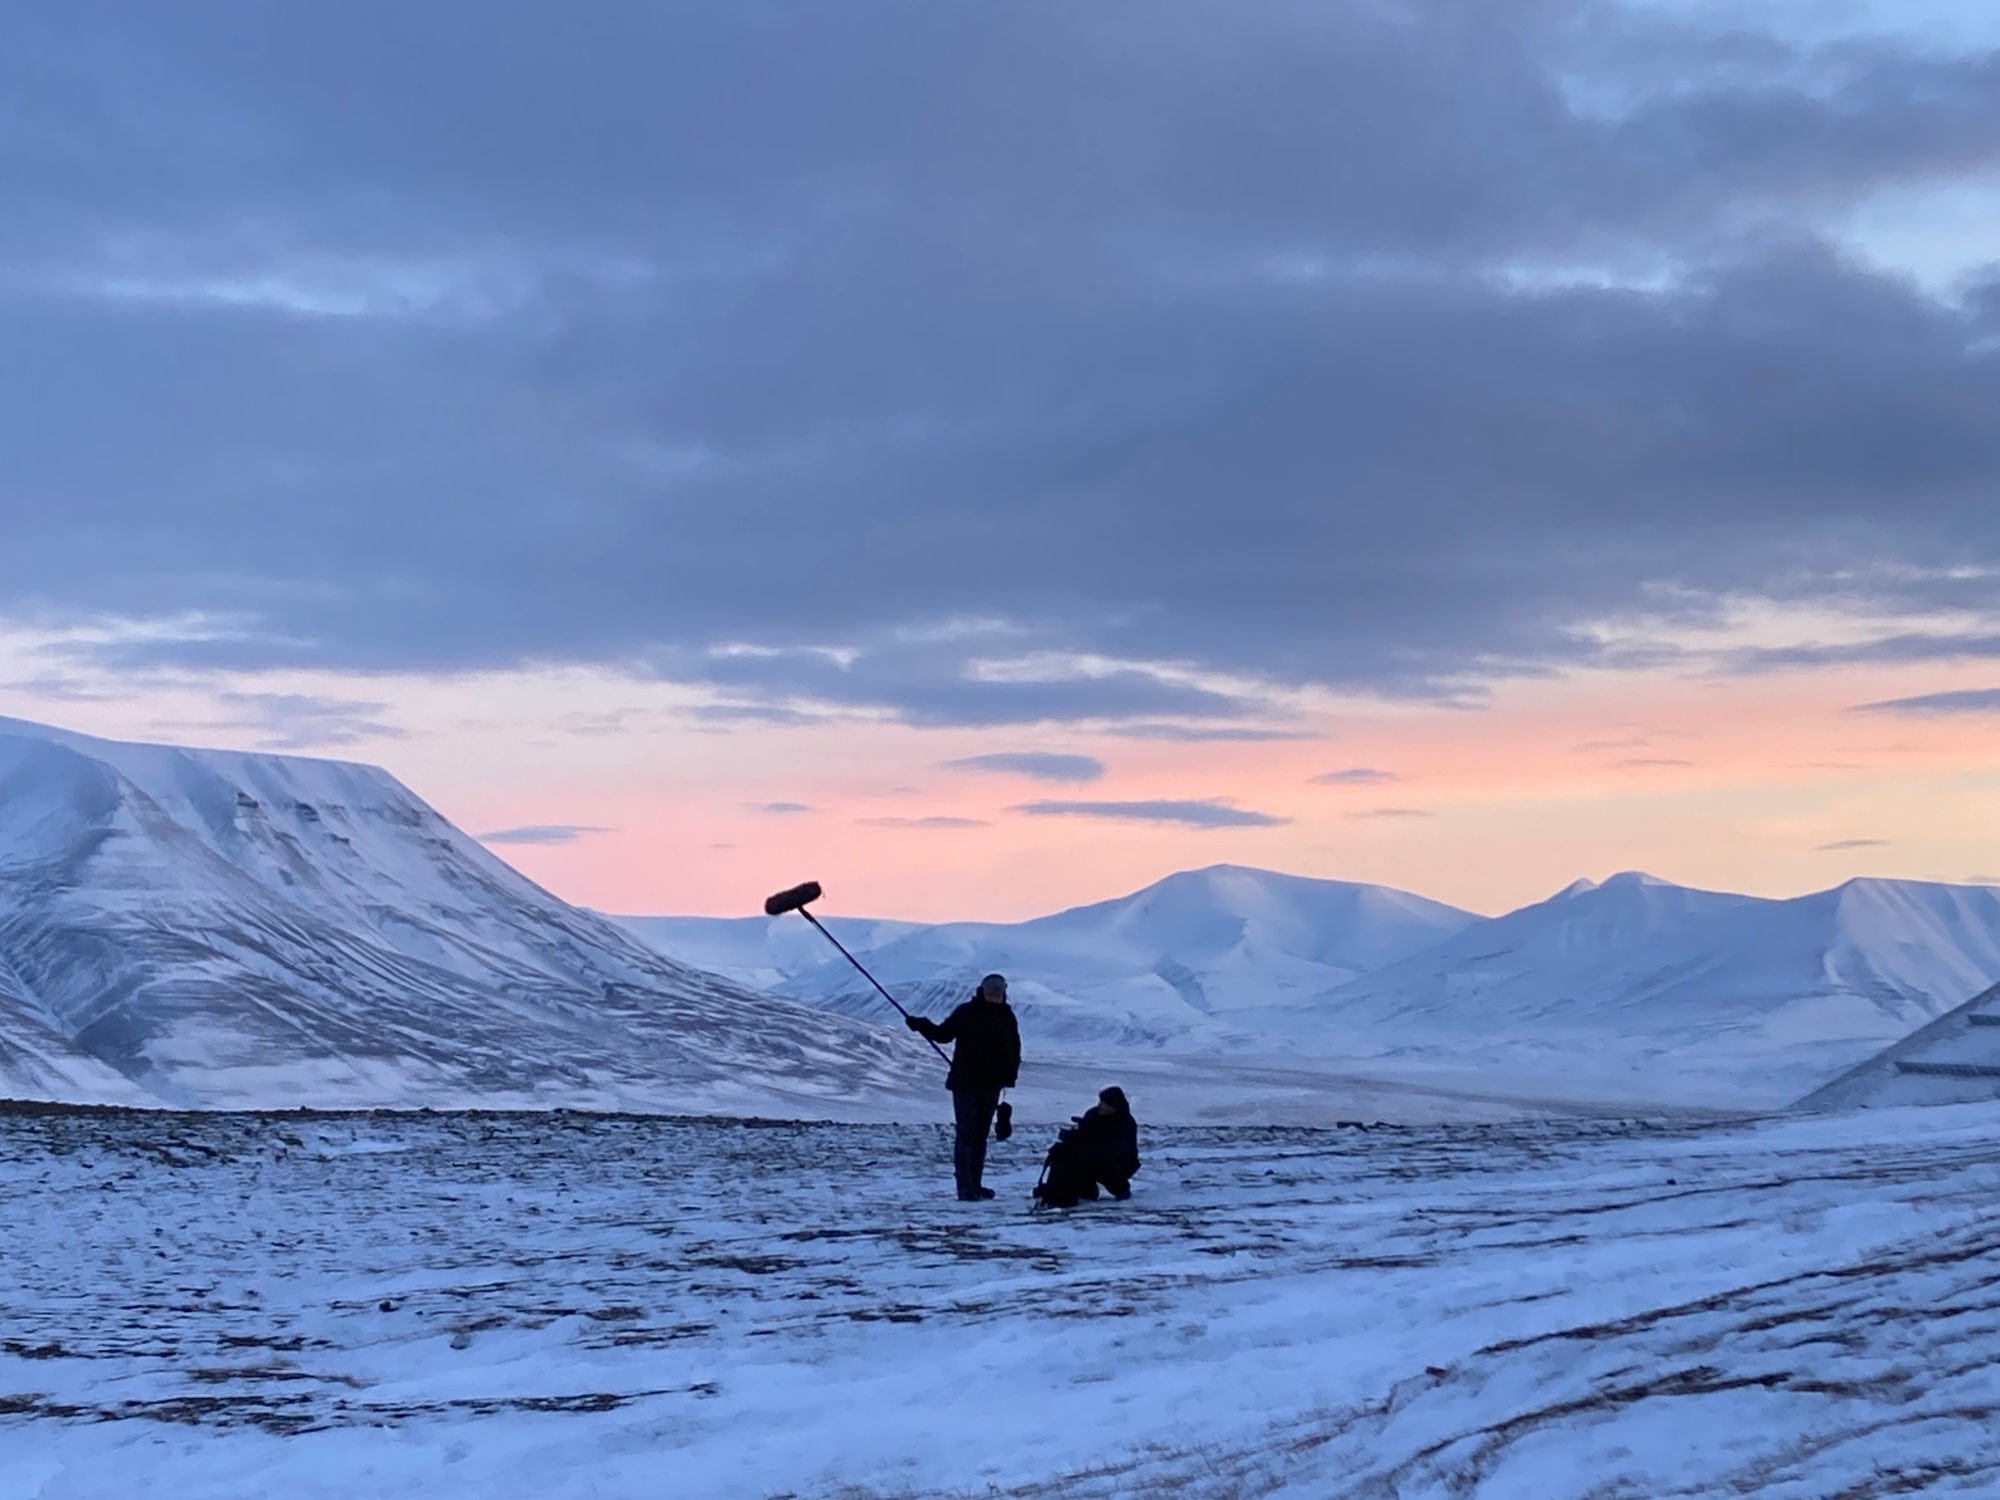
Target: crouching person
x: 1101, y: 1149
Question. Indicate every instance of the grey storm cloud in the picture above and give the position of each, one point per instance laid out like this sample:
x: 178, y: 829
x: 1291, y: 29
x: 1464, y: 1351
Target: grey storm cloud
x: 1040, y: 764
x: 1204, y: 734
x: 753, y: 713
x: 54, y: 687
x: 542, y: 833
x: 1203, y: 813
x: 781, y: 809
x: 1355, y: 776
x: 926, y: 685
x: 1970, y: 701
x: 1841, y: 845
x: 1906, y: 649
x: 599, y: 726
x: 304, y: 721
x: 890, y: 341
x: 1625, y: 742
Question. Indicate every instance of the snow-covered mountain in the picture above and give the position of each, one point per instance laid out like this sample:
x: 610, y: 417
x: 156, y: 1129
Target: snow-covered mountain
x: 219, y: 929
x: 1634, y: 989
x: 216, y: 929
x: 1734, y: 998
x: 1168, y: 967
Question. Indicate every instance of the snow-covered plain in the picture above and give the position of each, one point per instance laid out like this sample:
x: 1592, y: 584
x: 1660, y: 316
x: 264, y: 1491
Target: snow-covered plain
x: 572, y: 1306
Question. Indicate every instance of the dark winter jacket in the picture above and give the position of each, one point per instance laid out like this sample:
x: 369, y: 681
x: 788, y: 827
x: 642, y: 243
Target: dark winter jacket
x: 988, y: 1054
x: 1108, y: 1142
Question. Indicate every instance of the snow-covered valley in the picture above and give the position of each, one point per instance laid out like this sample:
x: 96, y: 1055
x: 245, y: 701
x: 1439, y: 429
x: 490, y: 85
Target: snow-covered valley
x: 568, y: 1306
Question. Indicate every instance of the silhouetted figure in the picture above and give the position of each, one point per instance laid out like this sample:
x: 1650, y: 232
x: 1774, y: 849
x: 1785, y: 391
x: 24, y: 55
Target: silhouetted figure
x: 1101, y: 1149
x: 986, y: 1059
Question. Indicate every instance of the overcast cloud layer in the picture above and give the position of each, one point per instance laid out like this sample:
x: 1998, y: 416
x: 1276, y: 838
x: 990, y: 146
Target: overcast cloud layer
x: 969, y: 363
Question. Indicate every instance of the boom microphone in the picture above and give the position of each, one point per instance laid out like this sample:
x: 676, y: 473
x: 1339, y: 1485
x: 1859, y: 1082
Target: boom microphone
x: 796, y: 899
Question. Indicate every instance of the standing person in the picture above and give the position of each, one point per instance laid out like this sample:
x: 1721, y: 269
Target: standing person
x: 986, y: 1060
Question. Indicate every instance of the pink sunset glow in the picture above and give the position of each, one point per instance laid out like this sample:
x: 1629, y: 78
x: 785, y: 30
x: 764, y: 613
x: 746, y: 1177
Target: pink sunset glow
x: 1770, y: 785
x: 1488, y: 810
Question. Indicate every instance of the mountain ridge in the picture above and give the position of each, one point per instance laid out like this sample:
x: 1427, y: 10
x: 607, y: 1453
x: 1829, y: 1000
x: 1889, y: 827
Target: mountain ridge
x: 1633, y: 977
x: 222, y: 929
x: 1104, y: 973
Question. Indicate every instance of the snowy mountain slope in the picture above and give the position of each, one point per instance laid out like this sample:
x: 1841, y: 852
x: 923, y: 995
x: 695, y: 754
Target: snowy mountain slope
x: 37, y: 1062
x: 226, y: 929
x: 1634, y: 988
x: 1589, y: 945
x: 1244, y: 932
x: 1756, y: 1000
x: 1953, y: 1060
x: 1165, y: 967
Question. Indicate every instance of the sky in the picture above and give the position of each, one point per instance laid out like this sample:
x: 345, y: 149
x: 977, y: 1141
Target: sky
x: 984, y: 458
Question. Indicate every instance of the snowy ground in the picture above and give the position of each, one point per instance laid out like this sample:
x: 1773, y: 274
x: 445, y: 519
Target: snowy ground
x: 1318, y: 1092
x: 575, y: 1307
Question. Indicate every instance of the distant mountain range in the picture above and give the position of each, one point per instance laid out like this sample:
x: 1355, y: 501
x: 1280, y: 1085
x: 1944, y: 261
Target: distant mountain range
x: 1633, y: 985
x: 214, y: 929
x: 1166, y: 968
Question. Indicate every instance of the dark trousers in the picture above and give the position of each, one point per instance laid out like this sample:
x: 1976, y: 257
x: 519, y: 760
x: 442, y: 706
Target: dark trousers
x: 972, y: 1112
x: 1073, y: 1175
